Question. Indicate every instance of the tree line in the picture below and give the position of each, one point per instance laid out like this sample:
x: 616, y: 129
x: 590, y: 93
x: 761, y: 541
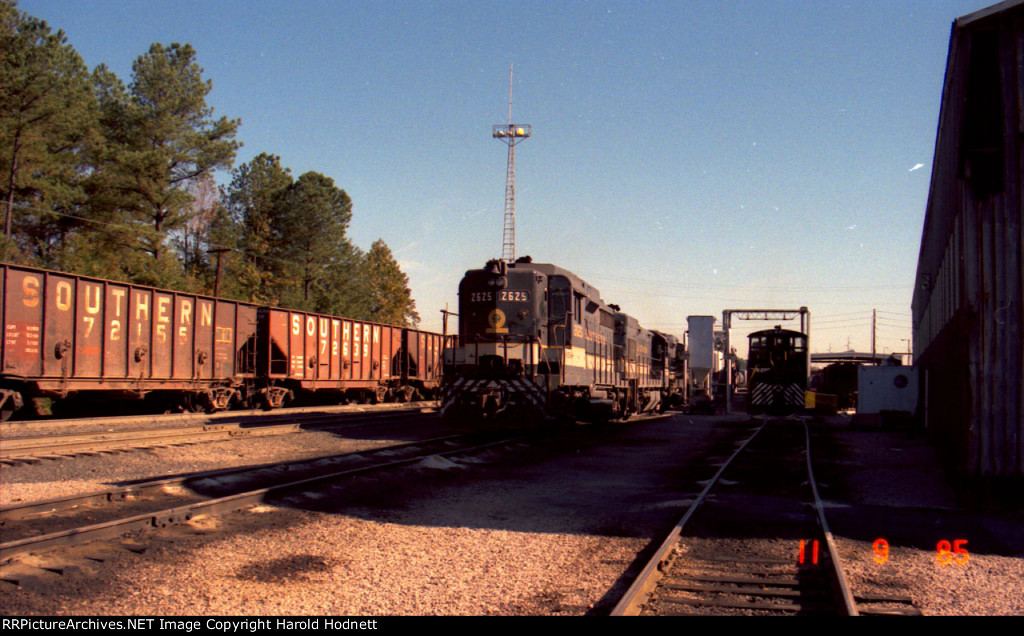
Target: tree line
x: 118, y: 181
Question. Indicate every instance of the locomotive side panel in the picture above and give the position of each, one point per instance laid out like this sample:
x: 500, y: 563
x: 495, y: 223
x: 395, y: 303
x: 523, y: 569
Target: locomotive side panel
x: 536, y: 338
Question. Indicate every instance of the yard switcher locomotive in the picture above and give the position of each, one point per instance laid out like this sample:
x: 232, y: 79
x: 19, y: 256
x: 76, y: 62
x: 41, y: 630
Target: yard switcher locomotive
x: 777, y: 368
x: 536, y: 340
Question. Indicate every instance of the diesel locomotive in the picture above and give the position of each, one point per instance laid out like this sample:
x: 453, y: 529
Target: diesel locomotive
x: 537, y: 341
x: 777, y: 371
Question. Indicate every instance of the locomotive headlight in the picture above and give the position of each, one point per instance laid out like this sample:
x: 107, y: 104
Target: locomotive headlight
x: 497, y: 282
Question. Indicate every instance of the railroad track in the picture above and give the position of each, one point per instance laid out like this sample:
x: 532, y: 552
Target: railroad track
x: 755, y: 541
x: 15, y: 450
x: 160, y: 503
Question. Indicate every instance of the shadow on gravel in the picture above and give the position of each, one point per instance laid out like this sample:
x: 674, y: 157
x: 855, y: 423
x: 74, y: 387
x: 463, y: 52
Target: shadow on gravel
x: 626, y: 480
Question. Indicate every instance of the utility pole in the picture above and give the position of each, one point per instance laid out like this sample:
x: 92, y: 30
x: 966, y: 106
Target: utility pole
x: 444, y: 319
x: 446, y: 344
x: 874, y: 320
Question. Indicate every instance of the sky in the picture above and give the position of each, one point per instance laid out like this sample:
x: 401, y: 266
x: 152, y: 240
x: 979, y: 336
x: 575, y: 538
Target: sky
x: 686, y: 156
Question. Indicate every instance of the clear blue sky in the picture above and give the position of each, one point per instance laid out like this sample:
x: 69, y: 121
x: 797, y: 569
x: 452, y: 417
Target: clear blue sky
x: 687, y: 157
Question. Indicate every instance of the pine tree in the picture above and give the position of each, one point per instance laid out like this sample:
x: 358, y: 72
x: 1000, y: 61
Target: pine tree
x: 389, y: 295
x: 47, y: 120
x: 314, y: 215
x: 250, y: 226
x: 160, y: 137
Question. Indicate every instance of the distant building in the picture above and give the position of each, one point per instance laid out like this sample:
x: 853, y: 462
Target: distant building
x: 970, y: 275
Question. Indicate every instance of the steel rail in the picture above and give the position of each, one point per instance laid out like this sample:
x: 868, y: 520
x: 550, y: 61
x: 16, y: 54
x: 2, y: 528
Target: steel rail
x: 643, y: 587
x: 638, y: 593
x: 13, y: 512
x: 231, y: 415
x: 51, y: 446
x: 219, y: 506
x: 849, y: 603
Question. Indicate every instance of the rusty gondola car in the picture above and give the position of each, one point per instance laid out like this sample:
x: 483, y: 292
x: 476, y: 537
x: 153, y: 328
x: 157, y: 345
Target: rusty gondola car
x: 69, y: 335
x: 66, y: 334
x: 301, y: 352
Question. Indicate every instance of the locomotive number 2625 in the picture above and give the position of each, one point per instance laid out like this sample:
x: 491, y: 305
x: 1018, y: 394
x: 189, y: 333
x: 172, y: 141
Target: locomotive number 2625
x: 504, y: 295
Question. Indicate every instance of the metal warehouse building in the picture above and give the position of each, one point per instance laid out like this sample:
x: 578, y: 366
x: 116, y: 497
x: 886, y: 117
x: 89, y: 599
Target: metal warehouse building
x: 970, y: 275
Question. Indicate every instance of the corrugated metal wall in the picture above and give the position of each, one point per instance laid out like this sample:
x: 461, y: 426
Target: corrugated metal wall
x: 970, y: 279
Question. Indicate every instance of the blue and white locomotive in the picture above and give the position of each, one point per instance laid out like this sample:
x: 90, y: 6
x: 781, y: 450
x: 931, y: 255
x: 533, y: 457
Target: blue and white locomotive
x: 536, y: 341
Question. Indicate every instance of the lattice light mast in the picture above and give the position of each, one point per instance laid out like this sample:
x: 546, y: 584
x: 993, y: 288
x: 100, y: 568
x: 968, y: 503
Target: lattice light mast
x: 511, y: 134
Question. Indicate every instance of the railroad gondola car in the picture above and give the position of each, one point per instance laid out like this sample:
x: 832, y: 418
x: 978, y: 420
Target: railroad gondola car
x: 777, y: 372
x: 306, y: 353
x: 537, y: 342
x: 67, y: 335
x: 73, y: 335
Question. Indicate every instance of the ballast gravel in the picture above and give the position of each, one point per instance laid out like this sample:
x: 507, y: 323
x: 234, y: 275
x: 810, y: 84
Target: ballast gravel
x: 553, y: 528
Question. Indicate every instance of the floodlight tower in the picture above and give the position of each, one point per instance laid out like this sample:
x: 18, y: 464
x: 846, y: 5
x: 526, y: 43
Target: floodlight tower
x: 510, y: 134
